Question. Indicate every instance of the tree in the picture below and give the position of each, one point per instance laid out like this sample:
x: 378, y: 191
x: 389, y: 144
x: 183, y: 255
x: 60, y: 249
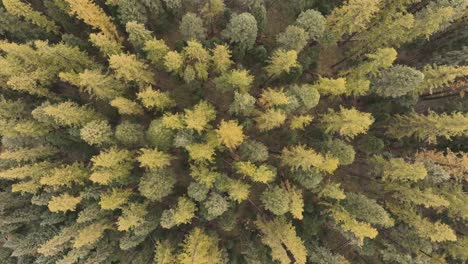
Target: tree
x: 356, y: 78
x: 230, y: 133
x: 300, y: 122
x: 254, y: 151
x: 181, y: 214
x: 235, y: 80
x: 94, y: 16
x: 156, y: 50
x: 97, y: 133
x: 293, y: 38
x: 115, y: 199
x: 199, y: 117
x: 129, y: 133
x: 348, y: 223
x: 312, y: 22
x: 397, y: 81
x: 367, y: 210
x: 21, y: 9
x: 348, y: 122
x: 343, y: 152
x: 271, y: 98
x: 428, y: 127
x: 95, y: 83
x: 307, y: 96
x: 436, y: 77
x: 221, y: 57
x: 214, y: 206
x: 111, y: 165
x: 299, y: 157
x: 242, y: 30
x: 353, y: 16
x: 280, y: 236
x: 156, y: 185
x: 138, y: 35
x: 212, y: 9
x: 68, y: 114
x: 275, y: 200
x: 159, y: 136
x: 243, y: 104
x: 270, y: 119
x: 191, y: 27
x: 199, y: 247
x: 108, y: 46
x: 63, y: 203
x: 126, y: 106
x: 129, y: 68
x: 397, y: 169
x: 153, y: 159
x: 155, y: 99
x: 281, y: 61
x: 261, y: 173
x: 331, y: 86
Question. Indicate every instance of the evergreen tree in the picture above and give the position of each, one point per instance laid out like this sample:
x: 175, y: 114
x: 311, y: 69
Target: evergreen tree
x: 397, y: 81
x: 293, y: 38
x: 191, y: 27
x: 242, y: 30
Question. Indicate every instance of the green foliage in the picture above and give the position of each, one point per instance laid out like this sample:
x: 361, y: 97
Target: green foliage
x: 97, y: 133
x: 129, y: 133
x: 293, y: 38
x: 397, y: 81
x: 181, y: 214
x: 254, y: 151
x: 242, y: 30
x: 21, y: 9
x: 138, y: 35
x: 156, y: 185
x: 342, y: 151
x: 312, y: 22
x: 191, y: 27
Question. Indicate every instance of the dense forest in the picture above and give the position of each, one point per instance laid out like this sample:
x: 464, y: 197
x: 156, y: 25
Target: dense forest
x: 233, y: 131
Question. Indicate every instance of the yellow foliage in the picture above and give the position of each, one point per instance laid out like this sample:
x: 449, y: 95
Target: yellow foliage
x: 155, y: 99
x: 301, y: 121
x: 126, y: 106
x: 281, y: 61
x: 90, y: 234
x: 298, y: 157
x: 153, y: 159
x: 94, y: 16
x: 221, y: 57
x: 173, y: 121
x: 270, y: 119
x: 280, y: 236
x: 21, y: 9
x: 199, y: 117
x: 230, y: 133
x: 270, y: 97
x: 115, y: 199
x: 331, y: 86
x: 63, y: 203
x: 262, y: 173
x: 348, y: 223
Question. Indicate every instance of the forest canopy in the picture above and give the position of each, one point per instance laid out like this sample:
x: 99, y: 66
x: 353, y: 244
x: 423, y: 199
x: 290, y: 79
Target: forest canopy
x: 233, y: 131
